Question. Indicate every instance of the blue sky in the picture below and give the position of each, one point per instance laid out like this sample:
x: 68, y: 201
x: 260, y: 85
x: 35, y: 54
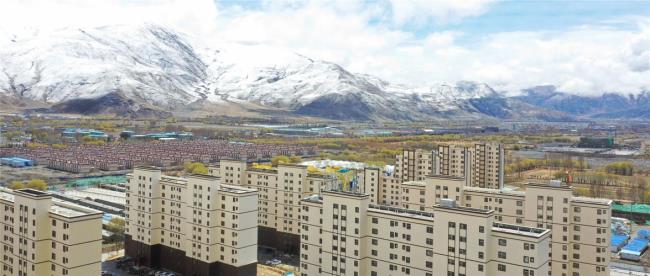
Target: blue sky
x: 511, y: 16
x: 514, y: 16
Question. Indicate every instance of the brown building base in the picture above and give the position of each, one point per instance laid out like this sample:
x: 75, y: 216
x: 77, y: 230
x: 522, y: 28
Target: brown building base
x: 281, y: 241
x: 163, y: 257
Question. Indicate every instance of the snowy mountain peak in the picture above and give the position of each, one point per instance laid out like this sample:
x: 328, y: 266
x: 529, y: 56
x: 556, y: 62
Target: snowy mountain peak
x: 155, y: 67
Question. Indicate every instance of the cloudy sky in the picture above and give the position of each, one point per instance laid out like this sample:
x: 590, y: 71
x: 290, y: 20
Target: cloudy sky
x: 585, y: 47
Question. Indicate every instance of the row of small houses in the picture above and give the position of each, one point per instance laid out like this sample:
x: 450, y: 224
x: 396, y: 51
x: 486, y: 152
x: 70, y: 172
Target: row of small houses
x: 86, y: 158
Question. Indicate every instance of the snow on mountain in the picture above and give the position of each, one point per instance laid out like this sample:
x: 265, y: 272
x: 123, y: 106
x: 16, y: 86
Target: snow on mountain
x: 156, y: 67
x: 150, y: 63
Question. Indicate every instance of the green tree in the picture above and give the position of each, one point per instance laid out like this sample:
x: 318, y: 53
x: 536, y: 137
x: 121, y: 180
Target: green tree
x: 280, y: 159
x: 116, y: 226
x: 16, y: 185
x: 37, y: 184
x: 195, y: 168
x: 295, y: 159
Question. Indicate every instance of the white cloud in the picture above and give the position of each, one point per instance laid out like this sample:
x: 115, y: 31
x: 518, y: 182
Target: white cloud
x: 420, y: 11
x: 19, y: 16
x: 367, y: 37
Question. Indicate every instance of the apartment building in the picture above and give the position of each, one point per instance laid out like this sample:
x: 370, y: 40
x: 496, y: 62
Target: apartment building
x: 343, y: 233
x: 280, y: 191
x: 46, y: 236
x: 481, y: 164
x: 194, y: 225
x: 579, y: 225
x: 645, y: 147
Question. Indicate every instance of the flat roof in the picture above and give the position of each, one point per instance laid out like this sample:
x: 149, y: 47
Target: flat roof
x: 314, y: 198
x: 273, y: 171
x: 343, y: 193
x: 494, y: 191
x: 58, y: 207
x: 635, y: 246
x: 33, y: 192
x: 439, y: 176
x: 548, y: 186
x: 519, y: 230
x: 400, y: 211
x: 415, y: 183
x: 464, y: 209
x: 592, y: 200
x: 236, y: 189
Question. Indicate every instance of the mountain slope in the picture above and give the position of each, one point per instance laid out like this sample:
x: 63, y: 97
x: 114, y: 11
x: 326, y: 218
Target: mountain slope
x: 152, y: 71
x: 149, y: 64
x: 605, y: 106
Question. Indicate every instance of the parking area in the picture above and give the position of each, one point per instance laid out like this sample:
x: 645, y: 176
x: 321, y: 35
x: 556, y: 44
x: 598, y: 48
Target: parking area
x: 270, y: 264
x: 111, y: 267
x: 125, y: 267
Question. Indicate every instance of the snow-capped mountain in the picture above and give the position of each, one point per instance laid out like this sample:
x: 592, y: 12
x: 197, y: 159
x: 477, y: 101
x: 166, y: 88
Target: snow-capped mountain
x: 147, y: 69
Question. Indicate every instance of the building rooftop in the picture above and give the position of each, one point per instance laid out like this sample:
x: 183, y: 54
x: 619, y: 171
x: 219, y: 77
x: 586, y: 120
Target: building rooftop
x: 445, y: 177
x: 314, y: 198
x: 346, y: 193
x: 251, y: 169
x: 592, y: 200
x: 58, y: 207
x: 32, y: 192
x: 549, y: 185
x: 174, y: 180
x: 415, y: 183
x: 519, y: 230
x: 494, y: 191
x: 400, y: 211
x: 236, y: 189
x: 6, y: 194
x: 463, y: 209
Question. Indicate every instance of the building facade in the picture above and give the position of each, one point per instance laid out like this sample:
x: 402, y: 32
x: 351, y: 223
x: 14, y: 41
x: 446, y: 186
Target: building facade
x: 193, y: 225
x: 579, y: 225
x: 46, y: 236
x: 482, y: 164
x: 280, y: 191
x: 344, y: 234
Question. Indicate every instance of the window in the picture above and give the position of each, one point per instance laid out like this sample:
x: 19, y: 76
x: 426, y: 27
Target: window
x: 502, y: 255
x: 502, y: 267
x: 502, y: 242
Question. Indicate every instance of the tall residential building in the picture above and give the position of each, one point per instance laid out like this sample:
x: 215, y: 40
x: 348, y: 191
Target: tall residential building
x: 46, y: 236
x: 194, y: 225
x: 579, y: 225
x: 645, y: 147
x: 280, y: 191
x: 481, y: 164
x: 344, y: 234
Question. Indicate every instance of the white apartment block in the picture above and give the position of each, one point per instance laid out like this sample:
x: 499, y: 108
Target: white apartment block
x: 579, y: 226
x: 46, y: 236
x: 480, y: 164
x: 193, y: 225
x: 344, y: 234
x: 280, y: 191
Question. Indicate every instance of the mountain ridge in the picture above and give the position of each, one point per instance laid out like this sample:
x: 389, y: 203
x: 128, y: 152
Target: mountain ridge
x: 150, y: 70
